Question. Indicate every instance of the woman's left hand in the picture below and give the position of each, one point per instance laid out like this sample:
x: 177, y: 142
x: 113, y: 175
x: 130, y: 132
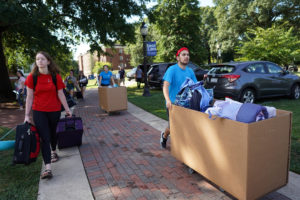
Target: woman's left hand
x: 69, y: 113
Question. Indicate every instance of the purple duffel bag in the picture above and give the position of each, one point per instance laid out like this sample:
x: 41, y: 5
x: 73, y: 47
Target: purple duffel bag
x: 69, y: 132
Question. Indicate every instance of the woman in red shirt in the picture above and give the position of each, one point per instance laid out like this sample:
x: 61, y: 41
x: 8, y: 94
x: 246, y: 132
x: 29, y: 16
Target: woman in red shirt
x: 45, y: 99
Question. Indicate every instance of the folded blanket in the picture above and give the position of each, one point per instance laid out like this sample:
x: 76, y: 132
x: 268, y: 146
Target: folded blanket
x: 249, y: 113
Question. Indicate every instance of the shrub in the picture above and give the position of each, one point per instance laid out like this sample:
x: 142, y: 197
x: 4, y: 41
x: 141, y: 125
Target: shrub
x: 99, y: 67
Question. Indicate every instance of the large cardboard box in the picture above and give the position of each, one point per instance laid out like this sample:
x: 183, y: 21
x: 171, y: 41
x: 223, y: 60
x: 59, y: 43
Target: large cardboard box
x: 246, y: 160
x: 112, y: 99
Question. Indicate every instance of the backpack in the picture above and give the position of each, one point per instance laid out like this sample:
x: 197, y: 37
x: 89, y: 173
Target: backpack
x: 185, y: 95
x: 35, y: 81
x: 194, y: 102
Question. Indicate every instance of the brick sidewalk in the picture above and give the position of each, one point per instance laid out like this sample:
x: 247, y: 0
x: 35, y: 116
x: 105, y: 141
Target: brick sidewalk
x: 11, y: 117
x: 123, y: 160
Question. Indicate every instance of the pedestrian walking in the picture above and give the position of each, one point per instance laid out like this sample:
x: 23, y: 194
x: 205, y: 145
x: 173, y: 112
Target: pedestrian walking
x: 138, y: 76
x: 45, y: 98
x: 21, y: 89
x: 122, y: 75
x: 82, y: 82
x: 105, y: 77
x: 173, y: 79
x: 71, y: 83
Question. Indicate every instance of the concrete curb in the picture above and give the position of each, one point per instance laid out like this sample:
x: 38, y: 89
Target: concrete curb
x: 69, y: 179
x: 148, y: 118
x: 292, y: 189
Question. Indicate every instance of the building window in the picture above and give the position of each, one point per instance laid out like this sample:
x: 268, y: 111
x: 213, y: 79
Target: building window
x: 120, y: 51
x: 121, y: 57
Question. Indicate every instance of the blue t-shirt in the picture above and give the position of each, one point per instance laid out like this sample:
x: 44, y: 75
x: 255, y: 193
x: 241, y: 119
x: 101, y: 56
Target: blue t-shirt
x: 176, y: 76
x: 105, y: 77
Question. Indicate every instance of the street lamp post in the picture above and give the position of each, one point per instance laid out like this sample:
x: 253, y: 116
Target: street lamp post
x: 144, y: 32
x: 219, y: 52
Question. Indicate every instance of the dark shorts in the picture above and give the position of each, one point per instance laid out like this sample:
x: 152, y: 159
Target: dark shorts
x: 69, y: 88
x: 138, y: 79
x: 82, y: 85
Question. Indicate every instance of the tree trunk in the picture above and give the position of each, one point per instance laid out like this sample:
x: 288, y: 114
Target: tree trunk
x: 6, y: 93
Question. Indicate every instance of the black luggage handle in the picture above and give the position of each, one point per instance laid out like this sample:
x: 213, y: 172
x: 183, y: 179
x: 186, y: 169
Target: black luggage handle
x: 69, y: 115
x: 68, y: 125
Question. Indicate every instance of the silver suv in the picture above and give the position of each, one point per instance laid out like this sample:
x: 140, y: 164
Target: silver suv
x: 248, y: 81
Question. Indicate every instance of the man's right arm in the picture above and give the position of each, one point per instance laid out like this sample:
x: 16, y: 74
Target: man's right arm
x: 166, y: 94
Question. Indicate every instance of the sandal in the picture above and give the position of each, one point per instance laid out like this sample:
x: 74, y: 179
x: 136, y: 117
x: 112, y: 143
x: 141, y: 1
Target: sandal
x: 54, y: 157
x: 46, y: 174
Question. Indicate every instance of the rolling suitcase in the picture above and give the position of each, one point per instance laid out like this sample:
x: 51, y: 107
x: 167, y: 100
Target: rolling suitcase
x: 27, y: 144
x: 69, y: 132
x: 79, y: 95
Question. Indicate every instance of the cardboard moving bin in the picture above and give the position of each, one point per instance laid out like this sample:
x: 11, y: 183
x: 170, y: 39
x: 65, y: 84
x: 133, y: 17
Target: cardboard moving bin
x: 113, y: 99
x: 246, y: 160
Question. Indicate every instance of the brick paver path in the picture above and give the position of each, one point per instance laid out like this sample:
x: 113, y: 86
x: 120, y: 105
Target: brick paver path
x: 123, y: 160
x: 11, y: 117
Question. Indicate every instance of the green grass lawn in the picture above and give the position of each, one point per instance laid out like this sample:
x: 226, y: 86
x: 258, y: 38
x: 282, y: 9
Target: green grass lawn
x: 19, y: 181
x: 92, y: 84
x: 293, y: 106
x: 156, y: 105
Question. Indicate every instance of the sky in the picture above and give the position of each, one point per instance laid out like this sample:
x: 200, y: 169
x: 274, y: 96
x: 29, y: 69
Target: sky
x: 83, y: 47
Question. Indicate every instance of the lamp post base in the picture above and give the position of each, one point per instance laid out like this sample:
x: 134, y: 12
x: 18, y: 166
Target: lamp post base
x: 146, y: 92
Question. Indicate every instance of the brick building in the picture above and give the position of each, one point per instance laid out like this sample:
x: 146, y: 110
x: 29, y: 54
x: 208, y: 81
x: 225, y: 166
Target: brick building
x: 116, y: 57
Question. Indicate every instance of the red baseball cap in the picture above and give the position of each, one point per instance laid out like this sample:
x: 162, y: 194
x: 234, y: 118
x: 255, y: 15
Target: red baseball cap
x: 181, y: 49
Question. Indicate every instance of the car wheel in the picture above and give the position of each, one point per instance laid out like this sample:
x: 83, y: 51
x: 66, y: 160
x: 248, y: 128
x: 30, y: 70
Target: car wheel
x: 295, y: 94
x: 161, y: 85
x: 248, y: 96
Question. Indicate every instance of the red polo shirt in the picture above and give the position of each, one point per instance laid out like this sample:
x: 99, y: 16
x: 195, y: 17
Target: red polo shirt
x: 45, y: 95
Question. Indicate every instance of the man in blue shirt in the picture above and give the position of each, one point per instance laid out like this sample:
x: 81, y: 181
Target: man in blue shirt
x: 173, y: 79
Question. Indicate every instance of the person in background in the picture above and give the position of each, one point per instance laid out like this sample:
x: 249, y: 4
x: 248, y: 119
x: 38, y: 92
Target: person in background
x: 45, y: 99
x: 105, y: 77
x: 173, y: 79
x: 21, y: 89
x: 82, y: 82
x: 138, y: 76
x: 71, y: 83
x: 122, y: 76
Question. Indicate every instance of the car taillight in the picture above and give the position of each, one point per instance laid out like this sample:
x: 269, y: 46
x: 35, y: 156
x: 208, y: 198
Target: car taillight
x: 231, y: 77
x: 204, y: 76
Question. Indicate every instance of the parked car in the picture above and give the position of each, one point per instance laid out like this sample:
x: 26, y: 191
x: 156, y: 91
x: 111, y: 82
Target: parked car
x: 249, y: 81
x: 131, y: 74
x: 199, y: 71
x: 157, y: 71
x: 293, y: 68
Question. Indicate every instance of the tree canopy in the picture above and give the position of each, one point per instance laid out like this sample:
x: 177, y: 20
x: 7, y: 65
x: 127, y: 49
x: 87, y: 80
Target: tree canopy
x: 135, y: 50
x: 27, y: 26
x: 274, y: 44
x: 177, y: 22
x: 235, y: 17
